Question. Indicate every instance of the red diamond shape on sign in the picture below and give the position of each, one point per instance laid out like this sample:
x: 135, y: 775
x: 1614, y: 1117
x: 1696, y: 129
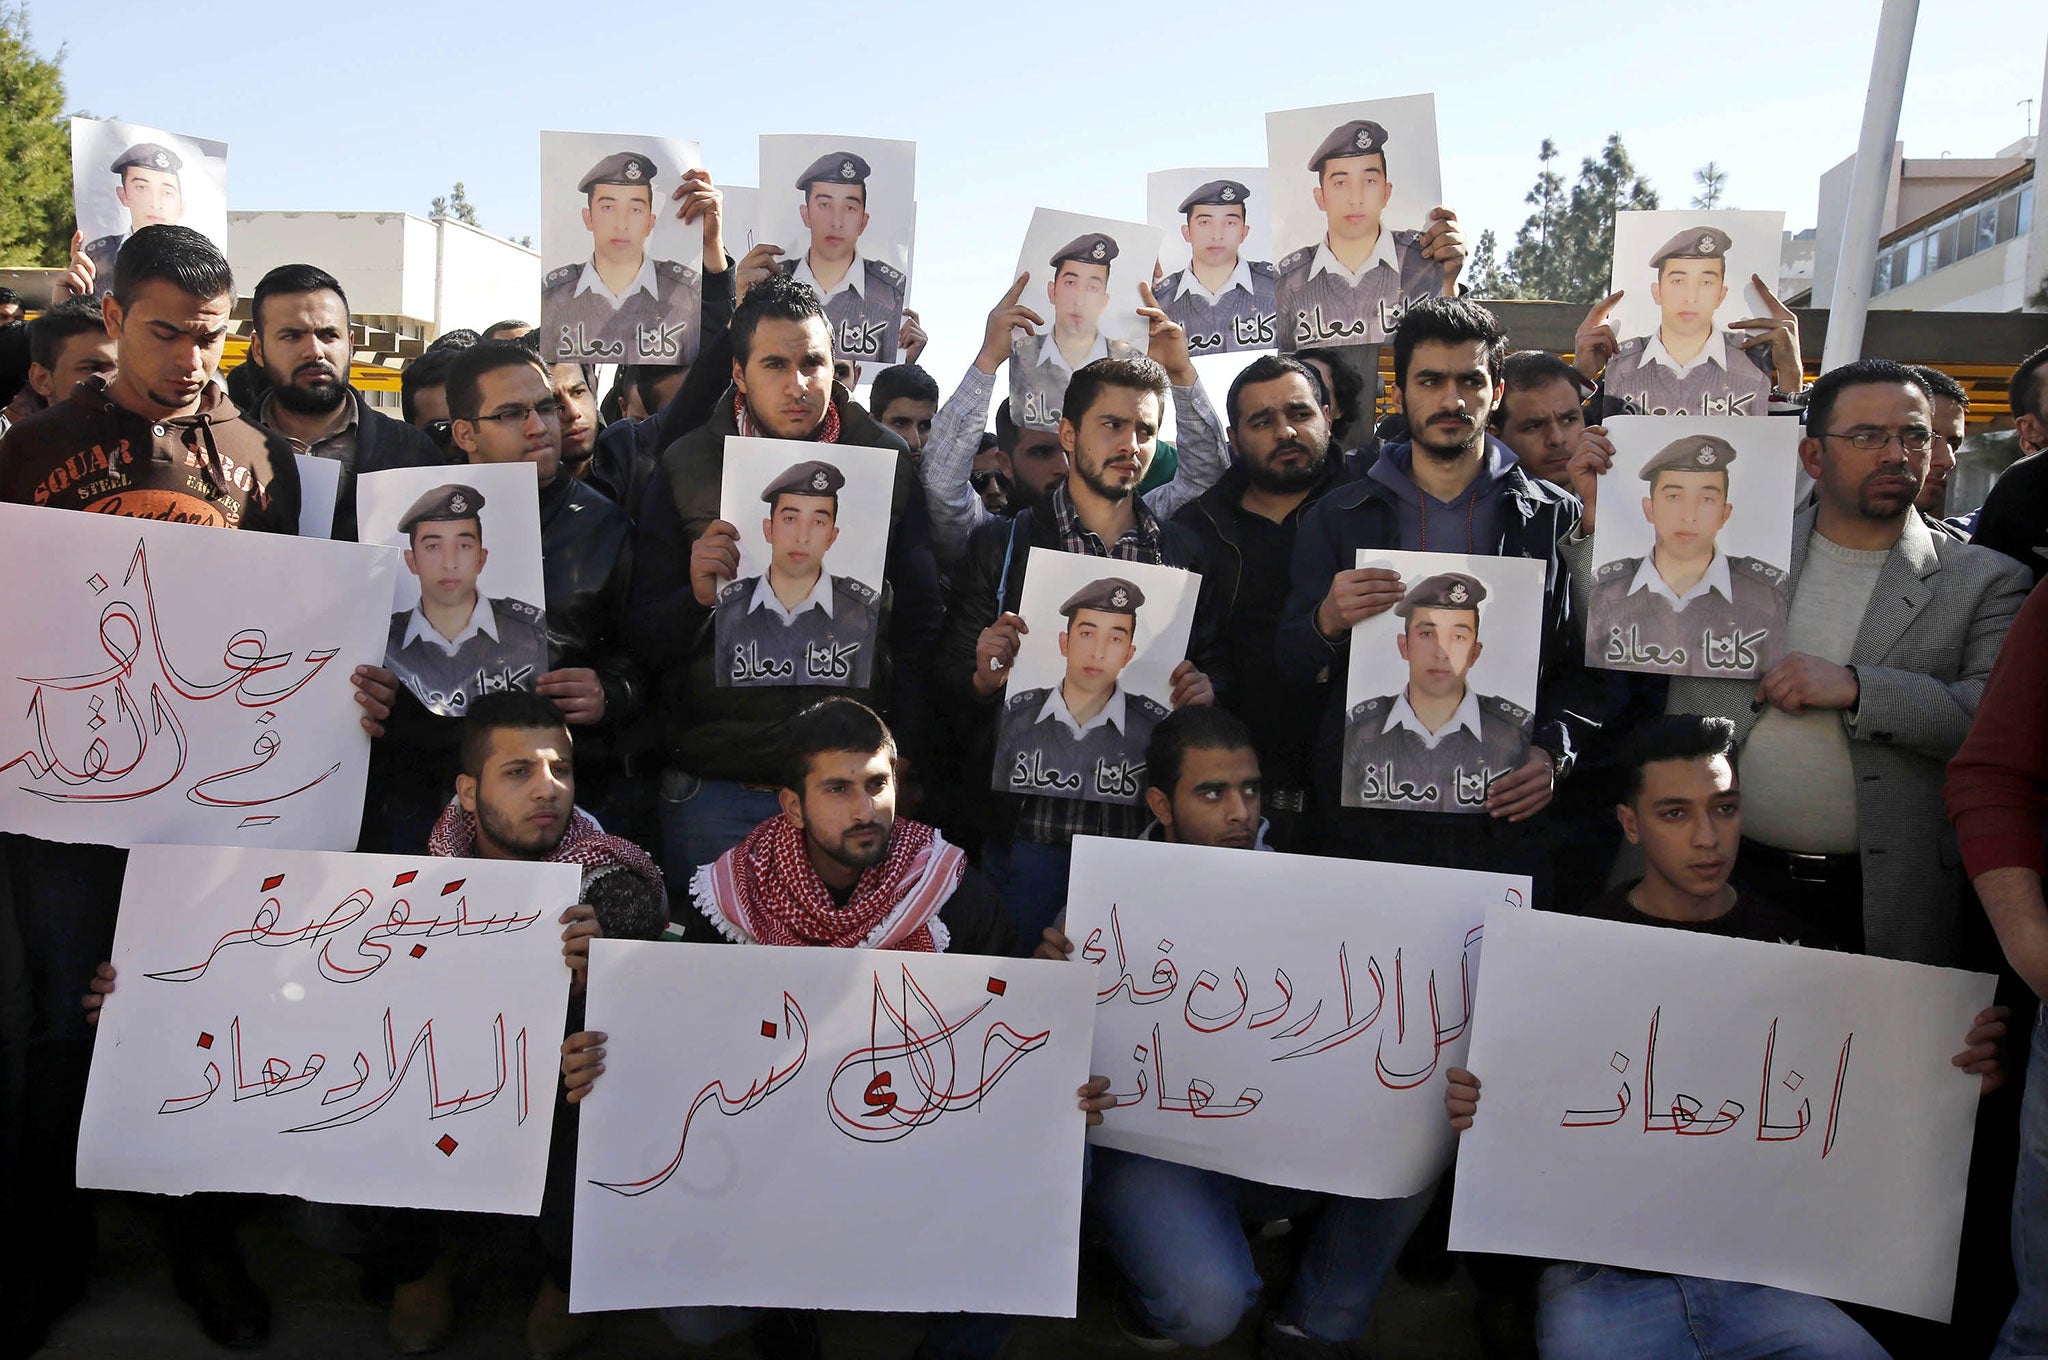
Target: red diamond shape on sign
x: 453, y: 886
x: 419, y: 951
x: 447, y: 1145
x: 408, y: 876
x: 205, y: 1039
x: 767, y: 1029
x: 272, y: 882
x: 996, y: 986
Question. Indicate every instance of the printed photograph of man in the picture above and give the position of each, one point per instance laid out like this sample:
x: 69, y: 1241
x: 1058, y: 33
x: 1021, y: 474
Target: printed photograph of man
x: 1689, y: 366
x: 797, y: 623
x: 1688, y: 608
x: 622, y: 305
x: 455, y: 644
x: 1222, y: 300
x: 1434, y: 746
x: 1042, y: 364
x: 150, y: 190
x: 863, y: 297
x: 1349, y: 288
x: 1086, y: 736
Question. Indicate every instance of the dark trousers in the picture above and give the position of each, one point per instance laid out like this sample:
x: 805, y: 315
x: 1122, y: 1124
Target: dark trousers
x: 1446, y: 840
x: 1826, y: 891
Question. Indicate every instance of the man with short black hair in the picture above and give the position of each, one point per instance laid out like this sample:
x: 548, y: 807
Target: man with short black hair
x: 1349, y: 405
x: 905, y: 398
x: 510, y: 329
x: 1204, y: 784
x: 2014, y: 518
x: 423, y: 397
x: 1951, y: 416
x: 66, y: 345
x: 10, y: 307
x: 1540, y: 413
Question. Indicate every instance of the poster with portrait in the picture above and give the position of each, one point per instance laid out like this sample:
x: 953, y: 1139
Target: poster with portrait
x: 1441, y: 694
x: 1084, y: 276
x: 814, y: 538
x: 125, y: 177
x: 1353, y: 186
x: 469, y: 615
x: 1093, y: 676
x: 623, y: 276
x: 1692, y: 548
x: 844, y: 210
x: 1685, y: 277
x: 1216, y: 251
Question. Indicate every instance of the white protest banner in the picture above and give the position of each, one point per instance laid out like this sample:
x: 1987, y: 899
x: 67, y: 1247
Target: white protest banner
x: 352, y: 1029
x: 1293, y: 1039
x: 1667, y: 1100
x: 185, y: 684
x: 831, y: 1128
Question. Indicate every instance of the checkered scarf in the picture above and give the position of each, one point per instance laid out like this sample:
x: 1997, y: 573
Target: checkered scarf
x: 584, y: 843
x: 764, y: 891
x: 828, y: 433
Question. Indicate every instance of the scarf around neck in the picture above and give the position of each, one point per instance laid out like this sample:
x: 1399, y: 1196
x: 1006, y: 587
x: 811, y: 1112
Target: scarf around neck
x: 828, y: 433
x: 765, y: 891
x: 585, y: 843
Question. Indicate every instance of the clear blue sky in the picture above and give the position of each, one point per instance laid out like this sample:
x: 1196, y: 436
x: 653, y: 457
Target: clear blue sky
x: 376, y: 107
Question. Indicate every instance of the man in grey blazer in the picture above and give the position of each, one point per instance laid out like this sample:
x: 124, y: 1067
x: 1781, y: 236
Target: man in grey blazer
x: 1893, y: 630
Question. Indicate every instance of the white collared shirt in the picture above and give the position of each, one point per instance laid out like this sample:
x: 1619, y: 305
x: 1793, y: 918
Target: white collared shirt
x: 643, y: 282
x: 856, y: 277
x: 1716, y: 578
x: 481, y: 620
x: 1240, y: 277
x: 1326, y: 261
x: 1466, y: 717
x: 1050, y: 352
x: 1056, y: 707
x: 1715, y: 352
x: 766, y: 598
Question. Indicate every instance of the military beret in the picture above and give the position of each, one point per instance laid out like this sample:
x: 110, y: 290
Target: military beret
x: 1088, y: 248
x: 1224, y: 193
x: 1694, y: 243
x: 451, y: 502
x: 1110, y: 595
x: 1359, y: 137
x: 149, y: 156
x: 634, y: 169
x: 1445, y: 590
x: 835, y: 167
x: 1694, y: 453
x: 812, y: 477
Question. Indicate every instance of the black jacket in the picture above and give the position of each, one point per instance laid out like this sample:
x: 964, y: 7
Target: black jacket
x: 382, y: 443
x: 2014, y: 519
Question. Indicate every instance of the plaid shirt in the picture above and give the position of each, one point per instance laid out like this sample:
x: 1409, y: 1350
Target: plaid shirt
x: 1056, y: 821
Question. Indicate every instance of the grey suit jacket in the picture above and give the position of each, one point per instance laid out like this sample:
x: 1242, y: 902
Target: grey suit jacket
x: 1933, y: 627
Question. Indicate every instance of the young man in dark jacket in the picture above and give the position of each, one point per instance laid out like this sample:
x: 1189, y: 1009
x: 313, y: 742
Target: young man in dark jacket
x: 716, y: 784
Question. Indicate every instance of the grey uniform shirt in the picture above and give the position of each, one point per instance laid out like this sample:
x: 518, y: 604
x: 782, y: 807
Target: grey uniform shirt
x: 1321, y: 303
x: 1731, y: 623
x: 1390, y: 761
x: 1239, y: 317
x: 864, y: 311
x: 655, y: 322
x: 828, y: 639
x: 1039, y: 374
x: 1042, y: 750
x: 1722, y: 380
x: 505, y: 647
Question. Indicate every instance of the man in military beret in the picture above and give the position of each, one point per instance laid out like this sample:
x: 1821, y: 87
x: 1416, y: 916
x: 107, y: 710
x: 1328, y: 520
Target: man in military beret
x: 149, y: 188
x: 863, y: 297
x: 1349, y: 288
x: 623, y: 305
x: 1688, y: 367
x: 1086, y: 736
x: 454, y: 644
x: 796, y: 623
x: 1688, y: 608
x: 1041, y: 365
x: 1436, y: 744
x: 1222, y: 300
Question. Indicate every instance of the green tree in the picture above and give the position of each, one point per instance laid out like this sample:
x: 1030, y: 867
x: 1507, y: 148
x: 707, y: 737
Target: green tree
x: 1485, y: 273
x: 35, y: 149
x: 1606, y: 185
x: 456, y: 204
x: 1531, y: 267
x: 1713, y: 182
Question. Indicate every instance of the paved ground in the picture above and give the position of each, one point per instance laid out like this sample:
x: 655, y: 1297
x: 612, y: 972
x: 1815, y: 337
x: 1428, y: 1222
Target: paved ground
x: 321, y: 1313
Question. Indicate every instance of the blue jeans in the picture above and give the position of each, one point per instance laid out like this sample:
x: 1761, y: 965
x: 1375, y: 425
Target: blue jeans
x: 1032, y: 881
x: 1588, y: 1312
x: 2026, y: 1327
x: 1177, y: 1233
x: 701, y: 819
x: 947, y: 1336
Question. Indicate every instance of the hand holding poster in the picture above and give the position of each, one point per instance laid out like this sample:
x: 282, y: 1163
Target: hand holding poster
x: 1087, y: 269
x: 353, y: 1029
x: 814, y: 538
x: 1094, y: 675
x: 125, y: 177
x: 843, y: 209
x: 837, y: 1128
x: 1217, y: 250
x: 1669, y: 1100
x: 1441, y: 694
x: 1693, y: 577
x: 1274, y: 1044
x: 1686, y: 279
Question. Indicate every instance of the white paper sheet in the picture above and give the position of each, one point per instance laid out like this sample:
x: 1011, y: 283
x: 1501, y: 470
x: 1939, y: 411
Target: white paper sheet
x: 1668, y: 1101
x: 352, y: 1029
x: 319, y: 489
x: 828, y: 1128
x: 1293, y: 1038
x: 184, y: 684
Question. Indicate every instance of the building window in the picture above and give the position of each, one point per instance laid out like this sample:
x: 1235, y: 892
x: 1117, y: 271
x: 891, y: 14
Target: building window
x: 2008, y: 217
x: 2026, y: 215
x: 1881, y: 280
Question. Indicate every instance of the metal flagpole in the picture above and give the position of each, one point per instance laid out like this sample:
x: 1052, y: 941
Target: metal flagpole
x: 1862, y: 224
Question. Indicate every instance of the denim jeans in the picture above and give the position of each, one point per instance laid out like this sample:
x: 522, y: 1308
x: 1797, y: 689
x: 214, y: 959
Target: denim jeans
x: 947, y: 1336
x: 2026, y: 1327
x: 701, y: 819
x: 1032, y: 881
x: 1177, y: 1234
x: 1589, y: 1312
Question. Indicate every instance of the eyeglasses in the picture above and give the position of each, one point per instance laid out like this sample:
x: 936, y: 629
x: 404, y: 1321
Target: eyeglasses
x: 440, y: 431
x: 1870, y: 438
x: 987, y: 477
x: 514, y: 416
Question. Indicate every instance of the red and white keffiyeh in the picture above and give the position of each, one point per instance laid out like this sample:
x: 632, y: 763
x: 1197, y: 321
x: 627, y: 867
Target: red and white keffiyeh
x: 585, y: 843
x: 764, y: 891
x: 828, y: 433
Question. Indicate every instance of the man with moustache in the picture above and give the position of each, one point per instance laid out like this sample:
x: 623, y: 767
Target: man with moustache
x: 1951, y: 416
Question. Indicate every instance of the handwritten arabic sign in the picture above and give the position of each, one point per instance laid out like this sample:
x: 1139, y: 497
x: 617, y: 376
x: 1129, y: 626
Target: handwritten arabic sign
x: 1296, y: 1040
x: 354, y: 1029
x: 1743, y: 1111
x: 830, y: 1128
x: 173, y: 683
